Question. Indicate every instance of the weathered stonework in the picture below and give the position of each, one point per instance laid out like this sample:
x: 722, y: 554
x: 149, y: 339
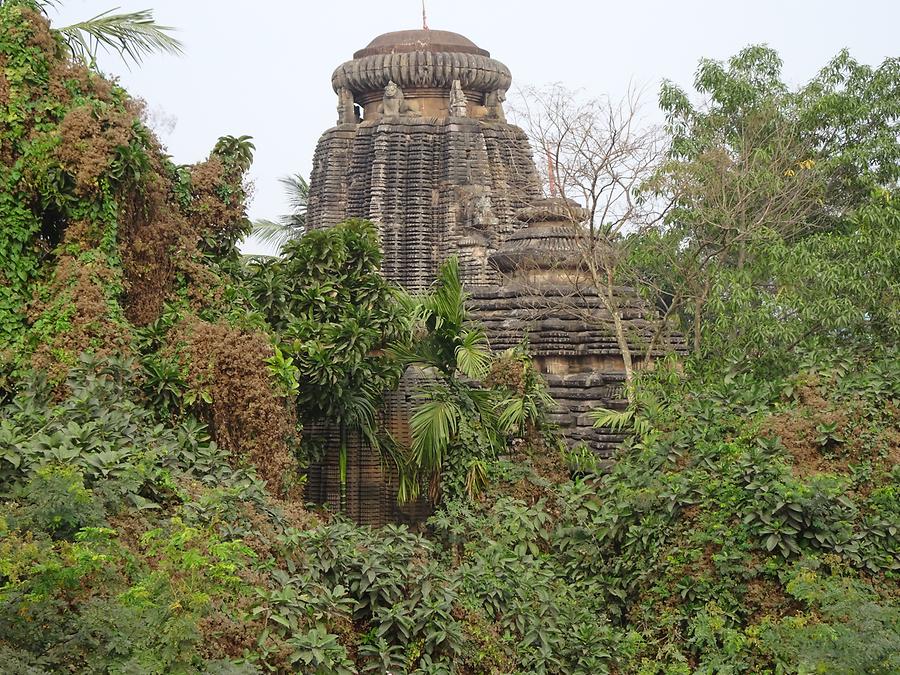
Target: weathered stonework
x: 432, y: 161
x: 546, y: 297
x: 422, y: 148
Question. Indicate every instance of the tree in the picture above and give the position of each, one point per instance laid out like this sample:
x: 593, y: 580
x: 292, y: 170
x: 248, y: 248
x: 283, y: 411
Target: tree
x: 336, y: 317
x: 598, y: 154
x: 754, y: 171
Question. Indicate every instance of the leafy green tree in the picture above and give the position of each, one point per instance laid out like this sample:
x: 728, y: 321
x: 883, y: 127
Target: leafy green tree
x: 850, y: 115
x: 838, y: 287
x: 237, y: 149
x: 760, y: 176
x: 336, y: 317
x: 847, y: 116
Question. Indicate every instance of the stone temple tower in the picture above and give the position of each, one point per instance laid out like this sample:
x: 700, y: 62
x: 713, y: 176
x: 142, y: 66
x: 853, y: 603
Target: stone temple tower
x: 422, y: 148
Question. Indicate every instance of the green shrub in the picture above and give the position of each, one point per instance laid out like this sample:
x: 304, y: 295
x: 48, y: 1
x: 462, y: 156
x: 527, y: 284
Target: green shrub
x: 847, y: 628
x: 55, y: 501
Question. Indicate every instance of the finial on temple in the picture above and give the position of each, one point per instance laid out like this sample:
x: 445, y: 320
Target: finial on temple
x: 424, y: 18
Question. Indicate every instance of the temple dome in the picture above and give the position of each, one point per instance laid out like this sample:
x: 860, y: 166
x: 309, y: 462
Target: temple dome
x: 402, y: 41
x: 420, y: 60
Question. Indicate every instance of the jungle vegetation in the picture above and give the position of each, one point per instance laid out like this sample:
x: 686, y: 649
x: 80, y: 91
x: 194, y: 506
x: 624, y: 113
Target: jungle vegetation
x: 154, y: 386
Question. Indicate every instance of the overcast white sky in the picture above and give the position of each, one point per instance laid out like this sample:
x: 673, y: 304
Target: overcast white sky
x: 264, y: 68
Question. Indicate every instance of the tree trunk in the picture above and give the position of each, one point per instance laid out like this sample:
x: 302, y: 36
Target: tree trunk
x: 621, y: 337
x: 698, y: 311
x: 342, y: 467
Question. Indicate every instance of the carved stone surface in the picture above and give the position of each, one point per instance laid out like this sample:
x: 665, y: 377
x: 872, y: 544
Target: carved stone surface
x: 546, y: 296
x: 458, y: 105
x: 494, y: 104
x: 434, y: 164
x: 421, y: 59
x: 394, y: 104
x: 425, y: 182
x: 346, y: 107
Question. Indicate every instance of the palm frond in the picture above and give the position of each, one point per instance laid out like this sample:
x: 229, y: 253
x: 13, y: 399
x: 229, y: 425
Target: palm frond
x: 447, y: 301
x: 133, y: 35
x: 616, y: 420
x: 473, y: 356
x: 359, y: 410
x: 433, y: 426
x: 484, y: 401
x: 289, y: 226
x: 513, y: 414
x: 271, y: 233
x: 250, y: 260
x: 476, y: 478
x: 408, y: 482
x: 297, y: 189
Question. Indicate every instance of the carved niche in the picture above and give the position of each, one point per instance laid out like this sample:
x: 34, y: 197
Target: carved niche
x: 458, y: 105
x: 394, y: 104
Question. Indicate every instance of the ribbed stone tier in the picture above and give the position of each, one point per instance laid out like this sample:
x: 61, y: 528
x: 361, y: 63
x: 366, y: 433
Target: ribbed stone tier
x: 435, y: 187
x: 545, y: 296
x: 421, y: 70
x: 573, y: 342
x: 421, y: 63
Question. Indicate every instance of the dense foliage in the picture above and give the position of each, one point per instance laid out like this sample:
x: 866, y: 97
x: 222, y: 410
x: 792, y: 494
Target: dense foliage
x: 778, y: 196
x: 152, y: 385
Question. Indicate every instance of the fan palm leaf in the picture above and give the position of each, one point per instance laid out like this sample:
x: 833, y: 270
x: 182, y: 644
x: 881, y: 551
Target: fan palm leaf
x: 473, y: 356
x: 433, y: 426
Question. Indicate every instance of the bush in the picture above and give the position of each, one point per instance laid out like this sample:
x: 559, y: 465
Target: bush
x: 55, y: 501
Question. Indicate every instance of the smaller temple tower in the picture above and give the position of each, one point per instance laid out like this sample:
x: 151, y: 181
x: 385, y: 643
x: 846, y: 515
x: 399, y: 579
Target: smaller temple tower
x: 546, y: 297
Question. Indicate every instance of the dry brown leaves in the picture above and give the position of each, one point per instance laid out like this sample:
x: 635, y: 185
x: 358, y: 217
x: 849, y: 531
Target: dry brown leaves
x: 88, y: 138
x: 92, y: 329
x: 247, y: 417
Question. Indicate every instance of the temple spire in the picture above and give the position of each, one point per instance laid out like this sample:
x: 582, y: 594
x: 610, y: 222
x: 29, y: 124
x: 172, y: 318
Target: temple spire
x: 424, y: 17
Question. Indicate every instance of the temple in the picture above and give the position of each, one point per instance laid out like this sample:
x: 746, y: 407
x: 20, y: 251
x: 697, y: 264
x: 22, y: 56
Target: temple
x: 423, y: 149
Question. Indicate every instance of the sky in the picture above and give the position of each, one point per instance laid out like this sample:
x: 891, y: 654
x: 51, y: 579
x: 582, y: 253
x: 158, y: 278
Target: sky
x: 264, y: 68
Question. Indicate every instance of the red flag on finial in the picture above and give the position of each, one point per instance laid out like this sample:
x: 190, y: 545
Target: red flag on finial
x: 424, y: 18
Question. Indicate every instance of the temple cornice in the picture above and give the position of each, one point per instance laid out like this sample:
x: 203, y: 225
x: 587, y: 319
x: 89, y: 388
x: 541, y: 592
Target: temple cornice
x: 421, y: 70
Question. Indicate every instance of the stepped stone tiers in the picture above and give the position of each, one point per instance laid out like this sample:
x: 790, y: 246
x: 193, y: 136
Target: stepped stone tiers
x: 422, y: 148
x: 546, y: 296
